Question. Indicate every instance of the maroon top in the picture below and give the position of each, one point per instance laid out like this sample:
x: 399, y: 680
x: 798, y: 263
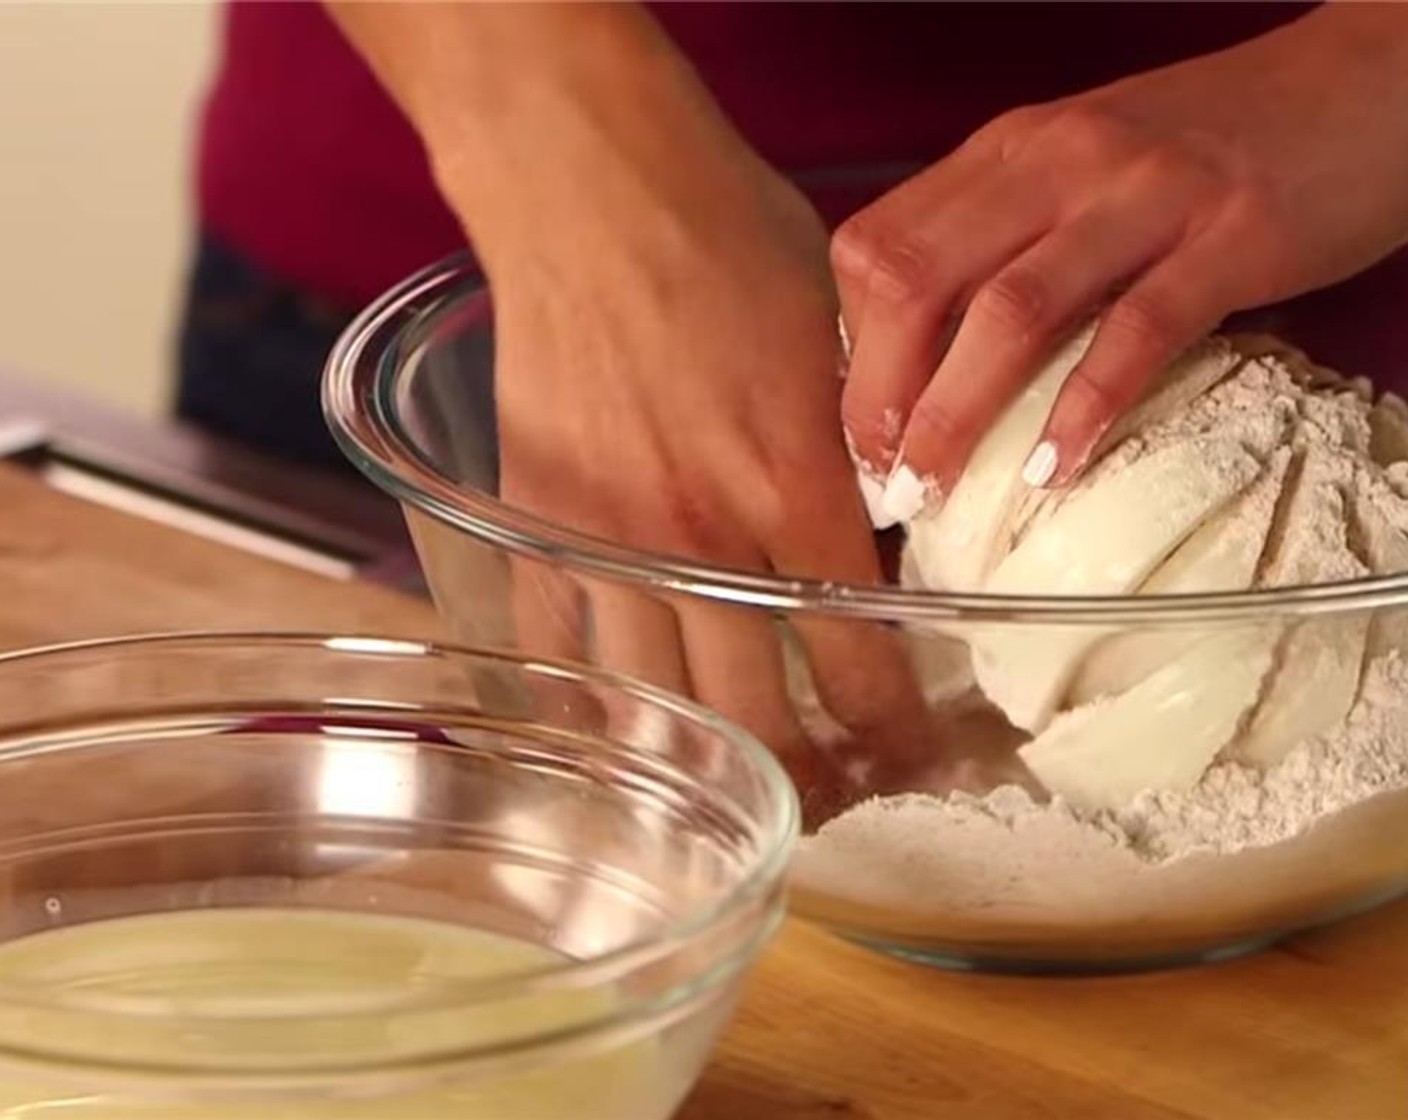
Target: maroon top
x: 307, y: 167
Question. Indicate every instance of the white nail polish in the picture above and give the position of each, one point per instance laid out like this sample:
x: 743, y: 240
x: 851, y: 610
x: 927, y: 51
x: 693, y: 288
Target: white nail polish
x: 872, y: 490
x: 1040, y: 465
x: 872, y: 486
x: 905, y: 494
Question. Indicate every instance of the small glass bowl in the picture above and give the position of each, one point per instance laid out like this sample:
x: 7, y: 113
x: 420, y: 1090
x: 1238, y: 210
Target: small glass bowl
x: 409, y: 394
x: 637, y: 837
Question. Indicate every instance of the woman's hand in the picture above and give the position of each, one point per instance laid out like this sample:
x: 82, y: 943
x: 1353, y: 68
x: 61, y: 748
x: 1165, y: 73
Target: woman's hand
x: 1170, y: 199
x: 682, y: 396
x: 666, y: 356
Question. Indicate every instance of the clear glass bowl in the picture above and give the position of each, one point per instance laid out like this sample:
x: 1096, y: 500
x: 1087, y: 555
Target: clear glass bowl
x: 1013, y: 883
x: 638, y: 838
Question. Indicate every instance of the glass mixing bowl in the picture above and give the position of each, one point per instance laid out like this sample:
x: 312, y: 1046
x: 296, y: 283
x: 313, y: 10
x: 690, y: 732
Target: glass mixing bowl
x: 635, y: 867
x: 979, y: 867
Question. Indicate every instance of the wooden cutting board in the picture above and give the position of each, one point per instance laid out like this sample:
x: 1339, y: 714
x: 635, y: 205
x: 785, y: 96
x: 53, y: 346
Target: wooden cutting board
x: 1317, y: 1029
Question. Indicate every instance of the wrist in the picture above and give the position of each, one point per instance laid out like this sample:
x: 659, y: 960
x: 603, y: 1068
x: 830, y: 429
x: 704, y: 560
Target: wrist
x: 617, y: 194
x: 609, y: 136
x: 1364, y: 42
x: 556, y: 129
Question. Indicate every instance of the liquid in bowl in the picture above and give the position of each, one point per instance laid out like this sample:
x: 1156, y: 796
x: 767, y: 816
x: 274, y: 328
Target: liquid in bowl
x: 250, y: 876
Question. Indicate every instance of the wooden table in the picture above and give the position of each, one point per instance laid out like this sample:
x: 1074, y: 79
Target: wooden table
x: 1316, y: 1029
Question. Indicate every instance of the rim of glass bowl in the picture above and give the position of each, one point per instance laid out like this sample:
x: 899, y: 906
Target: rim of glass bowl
x: 765, y: 868
x: 360, y: 397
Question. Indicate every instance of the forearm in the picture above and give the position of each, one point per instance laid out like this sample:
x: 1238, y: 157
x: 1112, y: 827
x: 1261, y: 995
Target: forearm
x: 1374, y: 35
x: 540, y: 115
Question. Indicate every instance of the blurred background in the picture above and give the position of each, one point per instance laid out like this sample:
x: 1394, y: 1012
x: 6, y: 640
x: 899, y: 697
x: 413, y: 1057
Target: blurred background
x: 98, y: 105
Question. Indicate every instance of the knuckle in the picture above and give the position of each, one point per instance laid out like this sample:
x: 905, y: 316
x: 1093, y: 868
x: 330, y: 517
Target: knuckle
x: 771, y: 504
x: 1179, y: 165
x: 1231, y: 187
x: 1252, y: 216
x: 1093, y: 395
x: 1256, y: 194
x: 1253, y: 206
x: 901, y: 273
x: 796, y: 506
x: 1145, y: 320
x: 893, y: 267
x: 1088, y: 129
x: 1023, y: 120
x: 932, y: 424
x: 1009, y: 133
x: 1018, y: 300
x: 854, y: 247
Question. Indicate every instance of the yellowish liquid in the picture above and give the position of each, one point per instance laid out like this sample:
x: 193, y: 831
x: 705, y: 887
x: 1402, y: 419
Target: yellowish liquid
x: 190, y: 965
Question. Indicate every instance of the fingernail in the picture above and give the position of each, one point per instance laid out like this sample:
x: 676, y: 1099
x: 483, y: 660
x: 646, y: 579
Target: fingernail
x: 872, y: 491
x: 905, y: 494
x: 1040, y: 465
x: 871, y: 483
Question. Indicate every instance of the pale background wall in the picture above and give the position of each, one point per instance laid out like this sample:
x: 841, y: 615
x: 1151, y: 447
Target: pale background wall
x: 97, y: 107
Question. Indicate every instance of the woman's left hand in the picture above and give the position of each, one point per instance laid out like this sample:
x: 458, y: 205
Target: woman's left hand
x: 1171, y: 199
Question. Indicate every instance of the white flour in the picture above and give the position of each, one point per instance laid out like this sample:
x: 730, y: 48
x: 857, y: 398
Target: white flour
x: 1327, y: 826
x: 1236, y: 807
x: 1329, y: 822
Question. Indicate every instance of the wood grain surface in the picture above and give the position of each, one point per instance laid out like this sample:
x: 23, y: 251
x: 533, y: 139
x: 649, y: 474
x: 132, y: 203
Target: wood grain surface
x: 1315, y: 1029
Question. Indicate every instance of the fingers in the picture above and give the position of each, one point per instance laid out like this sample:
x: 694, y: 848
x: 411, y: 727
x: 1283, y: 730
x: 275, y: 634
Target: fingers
x: 638, y: 636
x: 736, y: 665
x: 547, y: 611
x: 1021, y: 314
x: 548, y: 607
x: 909, y: 270
x: 866, y: 682
x: 899, y: 209
x: 727, y: 658
x: 862, y: 671
x: 1165, y: 311
x: 549, y: 622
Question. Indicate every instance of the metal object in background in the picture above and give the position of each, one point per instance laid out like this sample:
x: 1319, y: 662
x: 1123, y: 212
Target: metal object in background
x: 168, y: 472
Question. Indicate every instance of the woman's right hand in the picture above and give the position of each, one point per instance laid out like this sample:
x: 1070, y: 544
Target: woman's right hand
x: 666, y: 354
x: 668, y: 380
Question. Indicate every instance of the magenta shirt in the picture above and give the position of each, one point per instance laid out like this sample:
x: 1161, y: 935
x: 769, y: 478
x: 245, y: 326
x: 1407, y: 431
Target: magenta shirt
x: 307, y: 168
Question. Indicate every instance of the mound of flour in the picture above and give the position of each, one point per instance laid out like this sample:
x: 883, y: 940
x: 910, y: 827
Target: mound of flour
x: 1325, y: 826
x: 1331, y: 819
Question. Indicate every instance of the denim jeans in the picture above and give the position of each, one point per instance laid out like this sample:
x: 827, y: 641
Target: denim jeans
x: 251, y: 354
